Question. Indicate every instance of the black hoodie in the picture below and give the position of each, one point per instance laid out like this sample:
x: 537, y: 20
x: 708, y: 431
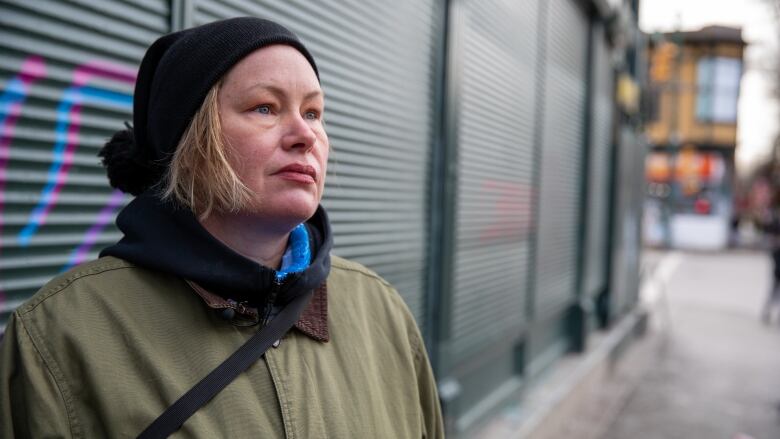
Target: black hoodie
x: 163, y: 236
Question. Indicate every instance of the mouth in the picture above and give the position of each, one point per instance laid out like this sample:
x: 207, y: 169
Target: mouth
x: 298, y: 172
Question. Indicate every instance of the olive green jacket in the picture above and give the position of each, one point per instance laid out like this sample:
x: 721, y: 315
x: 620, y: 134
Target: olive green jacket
x: 102, y: 350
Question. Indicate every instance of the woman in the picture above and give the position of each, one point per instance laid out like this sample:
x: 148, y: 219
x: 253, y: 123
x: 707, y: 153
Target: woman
x: 224, y: 242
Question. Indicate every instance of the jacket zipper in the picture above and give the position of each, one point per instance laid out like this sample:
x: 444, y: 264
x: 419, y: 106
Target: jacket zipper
x: 276, y: 287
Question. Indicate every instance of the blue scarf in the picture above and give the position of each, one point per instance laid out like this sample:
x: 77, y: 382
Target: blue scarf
x: 297, y: 257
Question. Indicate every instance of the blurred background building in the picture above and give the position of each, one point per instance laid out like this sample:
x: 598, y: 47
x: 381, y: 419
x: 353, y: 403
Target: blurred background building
x: 692, y: 128
x: 487, y: 160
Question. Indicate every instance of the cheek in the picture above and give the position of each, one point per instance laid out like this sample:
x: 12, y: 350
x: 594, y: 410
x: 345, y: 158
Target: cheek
x: 324, y: 162
x: 324, y: 148
x: 250, y: 148
x: 234, y: 142
x: 324, y: 166
x: 239, y: 157
x: 324, y: 157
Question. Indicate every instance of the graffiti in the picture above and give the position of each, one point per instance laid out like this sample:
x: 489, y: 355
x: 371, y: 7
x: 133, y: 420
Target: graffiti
x: 80, y: 92
x: 11, y: 100
x: 67, y: 130
x: 33, y: 68
x: 512, y: 205
x: 79, y: 254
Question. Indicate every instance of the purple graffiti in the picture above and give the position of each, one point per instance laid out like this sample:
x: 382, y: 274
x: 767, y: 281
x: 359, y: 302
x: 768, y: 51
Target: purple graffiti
x: 79, y: 254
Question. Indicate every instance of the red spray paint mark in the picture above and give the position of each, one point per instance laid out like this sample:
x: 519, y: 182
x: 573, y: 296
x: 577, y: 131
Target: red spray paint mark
x: 511, y: 212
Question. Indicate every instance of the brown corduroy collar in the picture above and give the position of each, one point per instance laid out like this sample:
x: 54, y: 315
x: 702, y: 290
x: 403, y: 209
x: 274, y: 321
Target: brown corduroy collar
x: 313, y: 322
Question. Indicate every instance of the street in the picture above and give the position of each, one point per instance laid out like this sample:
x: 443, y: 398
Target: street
x: 717, y: 373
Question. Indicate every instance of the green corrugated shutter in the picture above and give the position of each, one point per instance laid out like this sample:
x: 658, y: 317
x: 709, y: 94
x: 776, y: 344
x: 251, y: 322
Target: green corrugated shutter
x: 495, y: 139
x: 561, y: 156
x: 596, y: 238
x: 66, y: 80
x: 497, y: 58
x: 376, y: 63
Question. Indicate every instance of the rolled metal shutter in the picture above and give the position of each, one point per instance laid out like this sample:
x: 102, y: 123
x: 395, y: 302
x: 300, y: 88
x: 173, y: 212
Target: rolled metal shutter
x: 561, y: 156
x: 376, y: 64
x: 597, y: 220
x: 495, y: 172
x: 67, y: 71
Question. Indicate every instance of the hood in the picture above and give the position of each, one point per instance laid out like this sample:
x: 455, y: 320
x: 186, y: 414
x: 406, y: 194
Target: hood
x: 163, y: 236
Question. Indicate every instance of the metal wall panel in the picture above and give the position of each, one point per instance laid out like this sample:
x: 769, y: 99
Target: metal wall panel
x: 597, y: 213
x: 495, y: 171
x: 561, y: 156
x: 67, y: 71
x: 628, y: 215
x: 376, y: 64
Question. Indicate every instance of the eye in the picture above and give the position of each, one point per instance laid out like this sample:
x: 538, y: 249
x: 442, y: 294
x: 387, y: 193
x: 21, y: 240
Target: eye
x: 263, y: 109
x: 312, y: 115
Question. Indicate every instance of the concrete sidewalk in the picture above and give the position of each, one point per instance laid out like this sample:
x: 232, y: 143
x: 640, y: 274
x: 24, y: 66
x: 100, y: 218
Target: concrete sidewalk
x: 715, y: 369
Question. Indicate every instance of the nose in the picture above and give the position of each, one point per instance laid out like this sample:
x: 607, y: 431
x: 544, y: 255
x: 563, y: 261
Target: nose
x: 299, y: 134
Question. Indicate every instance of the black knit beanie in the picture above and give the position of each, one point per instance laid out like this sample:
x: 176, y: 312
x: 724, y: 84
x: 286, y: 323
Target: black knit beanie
x: 175, y: 76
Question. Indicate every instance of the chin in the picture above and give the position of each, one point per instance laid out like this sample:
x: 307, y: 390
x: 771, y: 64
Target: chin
x: 287, y: 212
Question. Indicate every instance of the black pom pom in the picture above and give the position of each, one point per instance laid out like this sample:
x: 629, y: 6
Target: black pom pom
x: 125, y: 170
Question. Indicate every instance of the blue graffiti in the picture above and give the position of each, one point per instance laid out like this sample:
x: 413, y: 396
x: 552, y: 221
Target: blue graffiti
x: 14, y: 93
x: 55, y: 177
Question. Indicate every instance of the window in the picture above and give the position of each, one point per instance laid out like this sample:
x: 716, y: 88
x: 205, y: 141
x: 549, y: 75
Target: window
x: 718, y: 89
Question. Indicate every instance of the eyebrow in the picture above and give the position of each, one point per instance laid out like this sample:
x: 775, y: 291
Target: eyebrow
x: 279, y: 92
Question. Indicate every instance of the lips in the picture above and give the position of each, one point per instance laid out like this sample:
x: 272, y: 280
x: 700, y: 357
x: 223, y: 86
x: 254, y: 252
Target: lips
x: 298, y: 172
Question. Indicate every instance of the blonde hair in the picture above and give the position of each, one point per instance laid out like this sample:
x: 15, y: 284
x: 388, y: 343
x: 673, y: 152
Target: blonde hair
x: 200, y: 176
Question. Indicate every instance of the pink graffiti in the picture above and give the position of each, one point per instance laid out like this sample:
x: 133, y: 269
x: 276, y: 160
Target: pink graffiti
x: 33, y: 68
x: 81, y: 76
x: 511, y: 212
x: 83, y: 73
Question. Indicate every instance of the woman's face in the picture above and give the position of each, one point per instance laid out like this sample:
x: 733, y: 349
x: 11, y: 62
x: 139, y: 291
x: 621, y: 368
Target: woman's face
x: 271, y: 107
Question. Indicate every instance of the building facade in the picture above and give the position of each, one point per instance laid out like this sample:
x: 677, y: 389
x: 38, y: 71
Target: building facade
x: 692, y: 129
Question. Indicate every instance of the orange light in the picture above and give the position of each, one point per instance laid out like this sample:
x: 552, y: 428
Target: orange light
x: 657, y: 168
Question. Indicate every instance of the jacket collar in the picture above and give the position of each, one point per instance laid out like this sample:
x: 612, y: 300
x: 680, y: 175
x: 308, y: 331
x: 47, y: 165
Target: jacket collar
x: 163, y: 236
x: 313, y: 322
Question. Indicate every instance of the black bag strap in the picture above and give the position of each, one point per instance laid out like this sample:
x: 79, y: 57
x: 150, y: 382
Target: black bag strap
x: 174, y: 416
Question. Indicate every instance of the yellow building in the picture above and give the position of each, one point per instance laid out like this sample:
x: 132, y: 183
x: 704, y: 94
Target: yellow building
x: 692, y: 128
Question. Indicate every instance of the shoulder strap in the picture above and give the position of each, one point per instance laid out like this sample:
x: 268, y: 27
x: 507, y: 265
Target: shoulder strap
x: 174, y: 416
